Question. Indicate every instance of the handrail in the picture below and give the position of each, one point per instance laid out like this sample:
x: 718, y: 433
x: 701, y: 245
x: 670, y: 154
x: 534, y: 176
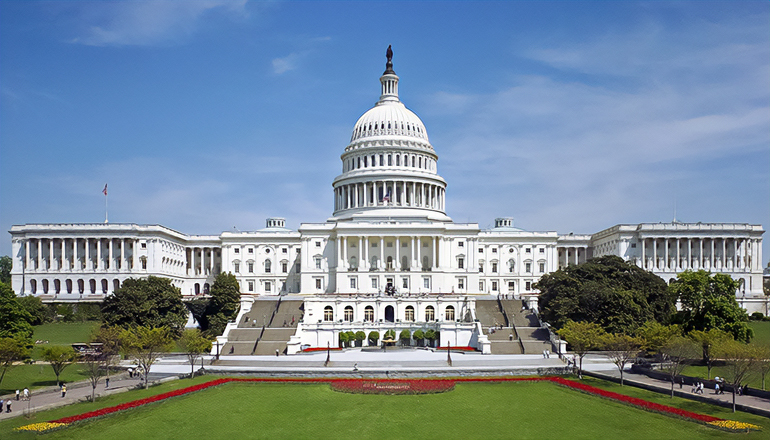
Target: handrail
x: 502, y: 310
x: 253, y: 350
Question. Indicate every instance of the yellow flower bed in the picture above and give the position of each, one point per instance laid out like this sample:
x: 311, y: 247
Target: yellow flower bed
x: 734, y: 426
x: 40, y: 427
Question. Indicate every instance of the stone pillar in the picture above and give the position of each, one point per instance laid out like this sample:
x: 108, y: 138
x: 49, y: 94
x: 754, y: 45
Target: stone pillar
x: 644, y: 253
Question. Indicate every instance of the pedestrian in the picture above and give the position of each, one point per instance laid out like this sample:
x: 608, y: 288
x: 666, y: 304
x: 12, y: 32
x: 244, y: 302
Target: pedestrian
x: 63, y: 390
x: 26, y: 393
x: 355, y: 366
x: 130, y: 372
x: 681, y: 382
x: 7, y: 405
x: 276, y: 352
x: 716, y: 387
x: 107, y: 382
x: 543, y: 354
x: 18, y: 393
x: 740, y: 390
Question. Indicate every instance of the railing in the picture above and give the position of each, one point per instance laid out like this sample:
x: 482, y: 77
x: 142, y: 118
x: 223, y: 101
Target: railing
x: 502, y: 310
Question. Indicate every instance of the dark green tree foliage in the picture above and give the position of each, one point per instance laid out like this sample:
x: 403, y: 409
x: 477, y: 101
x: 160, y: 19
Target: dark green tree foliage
x: 149, y: 302
x: 15, y: 320
x: 36, y: 309
x: 617, y: 295
x: 6, y: 264
x: 223, y: 305
x: 708, y: 301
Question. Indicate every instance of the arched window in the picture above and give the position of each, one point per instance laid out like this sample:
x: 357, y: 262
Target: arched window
x: 449, y: 314
x: 430, y: 313
x: 348, y: 313
x: 104, y: 286
x: 389, y: 262
x: 511, y: 265
x: 409, y: 313
x: 328, y: 313
x: 33, y: 286
x: 369, y: 314
x: 92, y: 285
x: 374, y: 262
x: 68, y: 283
x: 57, y: 286
x: 115, y: 284
x: 81, y: 286
x: 353, y: 263
x: 268, y: 266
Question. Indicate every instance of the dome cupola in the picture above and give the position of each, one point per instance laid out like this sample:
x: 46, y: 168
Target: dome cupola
x: 389, y: 167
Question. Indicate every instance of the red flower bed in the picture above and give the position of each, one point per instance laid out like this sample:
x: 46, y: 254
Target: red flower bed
x: 397, y: 386
x: 312, y: 349
x: 392, y: 386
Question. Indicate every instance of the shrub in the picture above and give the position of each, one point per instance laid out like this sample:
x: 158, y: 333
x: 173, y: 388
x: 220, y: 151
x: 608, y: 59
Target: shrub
x: 757, y: 316
x: 405, y: 336
x: 418, y: 336
x: 360, y: 336
x: 374, y: 336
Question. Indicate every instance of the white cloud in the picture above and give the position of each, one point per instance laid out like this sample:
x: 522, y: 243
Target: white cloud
x: 287, y: 63
x: 143, y: 23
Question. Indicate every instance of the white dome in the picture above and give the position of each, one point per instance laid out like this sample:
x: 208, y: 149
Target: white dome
x: 389, y: 118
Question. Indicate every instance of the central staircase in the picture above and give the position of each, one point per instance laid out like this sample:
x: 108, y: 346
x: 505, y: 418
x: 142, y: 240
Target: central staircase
x: 266, y: 328
x: 511, y: 327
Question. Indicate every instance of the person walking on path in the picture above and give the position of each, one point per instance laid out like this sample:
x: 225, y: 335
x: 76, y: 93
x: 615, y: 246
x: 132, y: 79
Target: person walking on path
x: 107, y: 382
x: 26, y: 393
x: 7, y: 405
x: 17, y: 394
x: 63, y: 390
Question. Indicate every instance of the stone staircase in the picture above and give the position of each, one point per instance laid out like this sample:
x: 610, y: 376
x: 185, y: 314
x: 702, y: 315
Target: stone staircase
x: 503, y: 340
x: 265, y: 328
x: 533, y: 339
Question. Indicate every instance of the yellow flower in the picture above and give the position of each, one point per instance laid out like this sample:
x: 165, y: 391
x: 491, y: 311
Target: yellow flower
x: 734, y: 426
x: 40, y: 427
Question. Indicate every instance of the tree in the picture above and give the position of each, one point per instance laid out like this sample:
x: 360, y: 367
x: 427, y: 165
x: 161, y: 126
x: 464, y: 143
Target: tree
x: 374, y: 336
x: 617, y: 295
x: 147, y: 302
x: 708, y: 301
x: 655, y: 335
x: 620, y: 349
x: 677, y: 351
x: 360, y: 336
x: 6, y: 264
x: 710, y: 341
x: 419, y: 336
x: 431, y: 336
x: 38, y: 312
x: 223, y: 305
x: 145, y: 345
x: 344, y: 339
x: 741, y: 361
x: 11, y: 350
x: 581, y: 336
x: 763, y: 362
x: 14, y: 319
x: 96, y: 366
x: 59, y: 357
x: 194, y: 344
x: 405, y: 336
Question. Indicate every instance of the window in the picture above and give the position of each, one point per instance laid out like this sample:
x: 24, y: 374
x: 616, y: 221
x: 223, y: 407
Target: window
x: 511, y: 286
x: 529, y: 285
x: 268, y: 266
x: 328, y: 313
x: 528, y: 267
x: 461, y: 263
x: 494, y: 250
x: 352, y: 283
x: 461, y: 283
x: 348, y: 313
x: 237, y: 250
x: 236, y: 267
x: 542, y: 267
x: 317, y: 244
x: 449, y: 314
x: 268, y: 286
x: 426, y: 282
x: 481, y: 286
x: 430, y: 314
x: 369, y: 314
x: 374, y: 283
x: 494, y: 286
x: 317, y: 262
x: 542, y: 250
x: 528, y: 250
x: 251, y: 267
x: 481, y: 250
x: 251, y: 286
x: 318, y: 283
x: 461, y: 244
x: 143, y: 245
x: 494, y: 267
x: 409, y: 313
x: 481, y: 267
x: 405, y: 283
x: 284, y: 250
x: 251, y: 250
x: 284, y: 266
x: 633, y: 245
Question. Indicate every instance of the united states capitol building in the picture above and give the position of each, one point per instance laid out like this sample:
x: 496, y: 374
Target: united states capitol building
x: 388, y: 254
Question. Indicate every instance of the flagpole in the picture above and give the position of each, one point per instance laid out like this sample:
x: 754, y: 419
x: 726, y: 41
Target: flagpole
x: 106, y: 218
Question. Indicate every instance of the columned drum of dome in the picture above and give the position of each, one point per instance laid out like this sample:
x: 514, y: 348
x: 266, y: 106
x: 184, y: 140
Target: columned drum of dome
x: 389, y: 169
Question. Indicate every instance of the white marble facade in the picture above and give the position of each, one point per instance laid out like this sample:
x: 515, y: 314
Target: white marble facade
x: 388, y: 228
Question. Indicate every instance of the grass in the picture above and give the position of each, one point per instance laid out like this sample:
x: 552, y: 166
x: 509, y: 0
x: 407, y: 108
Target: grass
x: 62, y: 333
x: 37, y: 376
x: 524, y: 410
x: 761, y: 332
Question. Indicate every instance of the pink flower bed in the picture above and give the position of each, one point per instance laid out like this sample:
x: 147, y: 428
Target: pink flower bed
x: 397, y: 386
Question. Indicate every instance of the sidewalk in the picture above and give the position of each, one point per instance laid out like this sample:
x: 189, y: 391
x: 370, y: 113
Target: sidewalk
x: 600, y: 368
x: 50, y: 397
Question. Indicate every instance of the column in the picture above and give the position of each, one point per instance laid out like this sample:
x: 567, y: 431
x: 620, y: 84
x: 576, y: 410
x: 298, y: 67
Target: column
x: 382, y: 252
x: 63, y: 259
x: 26, y: 254
x: 75, y: 265
x: 735, y: 254
x: 644, y: 254
x: 666, y: 256
x: 123, y: 254
x: 110, y: 261
x: 700, y: 254
x: 434, y: 251
x: 689, y: 254
x: 724, y: 254
x: 712, y: 258
x: 99, y: 260
x: 654, y: 254
x: 365, y: 252
x: 134, y: 247
x: 678, y: 257
x: 397, y: 263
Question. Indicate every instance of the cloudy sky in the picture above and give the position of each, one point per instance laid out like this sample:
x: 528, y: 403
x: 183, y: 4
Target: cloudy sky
x: 208, y: 115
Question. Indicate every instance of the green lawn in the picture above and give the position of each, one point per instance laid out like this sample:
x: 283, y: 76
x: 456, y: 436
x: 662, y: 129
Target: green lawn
x: 761, y: 332
x: 37, y: 376
x: 521, y: 410
x: 62, y: 333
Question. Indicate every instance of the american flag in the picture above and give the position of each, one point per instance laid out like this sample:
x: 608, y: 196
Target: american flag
x: 104, y: 191
x: 387, y: 196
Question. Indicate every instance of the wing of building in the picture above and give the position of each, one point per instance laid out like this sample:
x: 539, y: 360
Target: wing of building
x: 388, y: 253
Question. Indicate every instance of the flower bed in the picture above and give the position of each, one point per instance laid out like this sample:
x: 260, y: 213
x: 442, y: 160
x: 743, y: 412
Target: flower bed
x: 401, y: 386
x: 393, y: 386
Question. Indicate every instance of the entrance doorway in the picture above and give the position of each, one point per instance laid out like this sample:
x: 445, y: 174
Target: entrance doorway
x: 389, y: 314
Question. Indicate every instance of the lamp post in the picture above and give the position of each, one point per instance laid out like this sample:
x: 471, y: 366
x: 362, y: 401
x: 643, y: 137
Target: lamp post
x: 328, y: 354
x: 448, y: 356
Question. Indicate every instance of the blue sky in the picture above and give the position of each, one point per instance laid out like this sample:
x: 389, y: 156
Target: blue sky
x: 208, y: 115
